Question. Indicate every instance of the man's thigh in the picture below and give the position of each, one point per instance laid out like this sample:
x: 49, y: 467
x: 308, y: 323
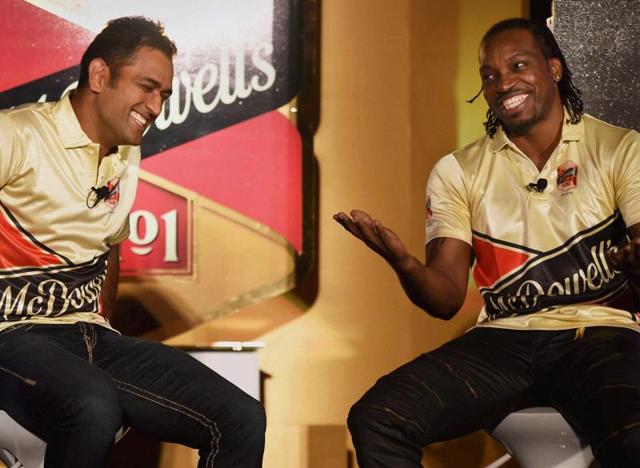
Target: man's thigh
x: 167, y: 393
x: 44, y: 375
x: 596, y: 384
x: 468, y: 384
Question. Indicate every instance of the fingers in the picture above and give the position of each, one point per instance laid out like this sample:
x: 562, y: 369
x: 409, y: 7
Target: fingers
x: 366, y: 225
x: 356, y: 222
x: 627, y: 258
x: 362, y: 226
x: 616, y: 258
x: 345, y: 221
x: 635, y: 256
x: 386, y: 235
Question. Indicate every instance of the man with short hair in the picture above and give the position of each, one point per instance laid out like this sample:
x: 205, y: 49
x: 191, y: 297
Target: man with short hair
x: 546, y: 210
x: 68, y: 175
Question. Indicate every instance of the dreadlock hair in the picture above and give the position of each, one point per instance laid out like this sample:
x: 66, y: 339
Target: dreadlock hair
x: 117, y: 43
x: 570, y: 95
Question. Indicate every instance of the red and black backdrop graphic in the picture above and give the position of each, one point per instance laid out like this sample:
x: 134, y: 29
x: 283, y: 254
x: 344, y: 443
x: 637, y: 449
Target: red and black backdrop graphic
x: 219, y: 135
x: 514, y: 280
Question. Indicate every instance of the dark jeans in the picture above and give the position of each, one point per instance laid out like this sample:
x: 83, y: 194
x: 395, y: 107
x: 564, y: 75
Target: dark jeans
x: 75, y: 385
x: 474, y: 381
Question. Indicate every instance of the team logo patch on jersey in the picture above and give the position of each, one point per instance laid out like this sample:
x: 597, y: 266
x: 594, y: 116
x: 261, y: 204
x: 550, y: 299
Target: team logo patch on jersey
x: 428, y: 212
x: 114, y: 193
x: 567, y: 176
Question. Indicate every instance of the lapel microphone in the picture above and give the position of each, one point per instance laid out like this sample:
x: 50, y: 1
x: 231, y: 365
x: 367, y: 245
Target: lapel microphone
x: 97, y: 194
x: 103, y: 192
x: 538, y: 186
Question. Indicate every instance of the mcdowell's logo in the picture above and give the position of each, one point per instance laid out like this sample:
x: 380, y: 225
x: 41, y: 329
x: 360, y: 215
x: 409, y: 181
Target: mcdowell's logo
x: 51, y: 292
x: 573, y: 273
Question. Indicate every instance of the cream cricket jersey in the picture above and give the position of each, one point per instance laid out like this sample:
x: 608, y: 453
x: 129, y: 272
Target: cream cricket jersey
x: 539, y: 257
x: 53, y: 246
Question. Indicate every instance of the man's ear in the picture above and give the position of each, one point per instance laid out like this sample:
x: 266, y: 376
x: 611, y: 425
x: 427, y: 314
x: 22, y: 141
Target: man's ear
x: 556, y: 68
x: 99, y: 75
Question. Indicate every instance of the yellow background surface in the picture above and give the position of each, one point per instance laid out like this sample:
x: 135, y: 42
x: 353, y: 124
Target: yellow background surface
x: 393, y: 84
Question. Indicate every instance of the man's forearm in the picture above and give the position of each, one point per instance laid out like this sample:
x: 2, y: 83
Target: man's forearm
x: 432, y: 290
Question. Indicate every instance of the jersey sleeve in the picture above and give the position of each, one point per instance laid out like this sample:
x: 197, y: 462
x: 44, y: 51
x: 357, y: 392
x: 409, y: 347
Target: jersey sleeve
x: 626, y: 178
x: 121, y: 235
x: 447, y: 202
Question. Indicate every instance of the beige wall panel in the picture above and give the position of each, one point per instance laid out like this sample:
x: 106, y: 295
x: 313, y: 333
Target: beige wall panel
x: 389, y: 109
x: 393, y: 79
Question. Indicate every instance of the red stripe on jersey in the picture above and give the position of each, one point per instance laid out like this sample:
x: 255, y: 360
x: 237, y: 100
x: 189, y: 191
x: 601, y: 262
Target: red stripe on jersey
x: 17, y: 251
x: 493, y: 261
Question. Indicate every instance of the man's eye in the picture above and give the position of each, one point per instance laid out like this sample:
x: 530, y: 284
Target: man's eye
x: 487, y: 78
x: 146, y: 87
x: 519, y: 65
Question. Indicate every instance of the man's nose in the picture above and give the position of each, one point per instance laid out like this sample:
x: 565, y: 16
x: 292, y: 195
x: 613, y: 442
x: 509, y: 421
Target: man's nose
x: 154, y: 104
x: 504, y: 82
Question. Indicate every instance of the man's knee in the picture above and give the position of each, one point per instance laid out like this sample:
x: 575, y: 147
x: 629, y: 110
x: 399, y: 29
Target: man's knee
x: 357, y: 420
x: 620, y: 450
x: 98, y: 412
x: 250, y: 415
x: 368, y: 422
x: 242, y: 420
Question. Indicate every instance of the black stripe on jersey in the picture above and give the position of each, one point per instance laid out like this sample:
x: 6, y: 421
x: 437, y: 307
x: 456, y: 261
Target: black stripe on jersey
x: 33, y: 239
x: 575, y: 272
x: 511, y: 245
x: 53, y: 292
x: 13, y: 272
x: 582, y: 234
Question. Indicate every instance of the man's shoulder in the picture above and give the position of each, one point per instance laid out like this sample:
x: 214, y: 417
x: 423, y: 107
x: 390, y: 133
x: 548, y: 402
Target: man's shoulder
x: 25, y: 113
x: 472, y: 154
x: 465, y: 161
x: 596, y: 130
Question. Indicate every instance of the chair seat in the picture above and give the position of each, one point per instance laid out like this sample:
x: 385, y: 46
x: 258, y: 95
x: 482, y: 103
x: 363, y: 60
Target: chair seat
x: 24, y: 446
x: 539, y: 437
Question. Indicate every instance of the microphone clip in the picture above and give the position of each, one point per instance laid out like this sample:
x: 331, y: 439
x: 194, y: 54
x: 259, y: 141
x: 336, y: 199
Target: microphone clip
x: 538, y: 186
x: 97, y: 194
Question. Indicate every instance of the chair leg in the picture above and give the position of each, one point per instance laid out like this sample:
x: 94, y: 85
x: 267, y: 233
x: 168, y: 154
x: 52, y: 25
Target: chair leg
x: 9, y: 459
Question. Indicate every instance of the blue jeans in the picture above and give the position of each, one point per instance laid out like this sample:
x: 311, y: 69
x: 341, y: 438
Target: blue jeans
x: 474, y: 381
x: 75, y: 385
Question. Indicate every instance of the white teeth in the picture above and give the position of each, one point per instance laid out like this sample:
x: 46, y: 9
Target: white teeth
x: 138, y: 118
x: 514, y: 101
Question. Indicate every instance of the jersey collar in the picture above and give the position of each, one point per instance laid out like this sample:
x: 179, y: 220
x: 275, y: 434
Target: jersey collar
x: 570, y: 132
x: 69, y: 130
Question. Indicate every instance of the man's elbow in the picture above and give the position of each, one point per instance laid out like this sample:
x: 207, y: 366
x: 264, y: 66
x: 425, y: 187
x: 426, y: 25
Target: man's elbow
x: 443, y: 314
x: 444, y: 311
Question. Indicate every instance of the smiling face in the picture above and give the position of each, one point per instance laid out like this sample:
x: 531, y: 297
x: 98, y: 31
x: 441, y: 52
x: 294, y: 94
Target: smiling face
x: 518, y: 82
x: 128, y: 103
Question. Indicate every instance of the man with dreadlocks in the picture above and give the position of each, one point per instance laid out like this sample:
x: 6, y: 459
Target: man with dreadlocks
x: 546, y: 210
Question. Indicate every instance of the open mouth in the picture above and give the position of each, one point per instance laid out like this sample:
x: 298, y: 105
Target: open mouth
x: 139, y: 119
x: 513, y: 103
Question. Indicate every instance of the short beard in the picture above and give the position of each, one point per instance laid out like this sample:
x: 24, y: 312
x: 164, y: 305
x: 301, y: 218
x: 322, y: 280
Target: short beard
x: 521, y: 128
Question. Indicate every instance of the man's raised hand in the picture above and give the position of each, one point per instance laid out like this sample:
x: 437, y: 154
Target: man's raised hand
x: 376, y: 236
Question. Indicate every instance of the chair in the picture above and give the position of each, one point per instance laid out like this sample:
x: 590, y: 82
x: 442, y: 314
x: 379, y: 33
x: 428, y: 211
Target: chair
x: 539, y: 437
x: 20, y: 448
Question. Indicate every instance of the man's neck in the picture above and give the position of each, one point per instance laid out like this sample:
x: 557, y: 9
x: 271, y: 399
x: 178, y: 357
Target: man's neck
x: 539, y: 142
x: 80, y: 102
